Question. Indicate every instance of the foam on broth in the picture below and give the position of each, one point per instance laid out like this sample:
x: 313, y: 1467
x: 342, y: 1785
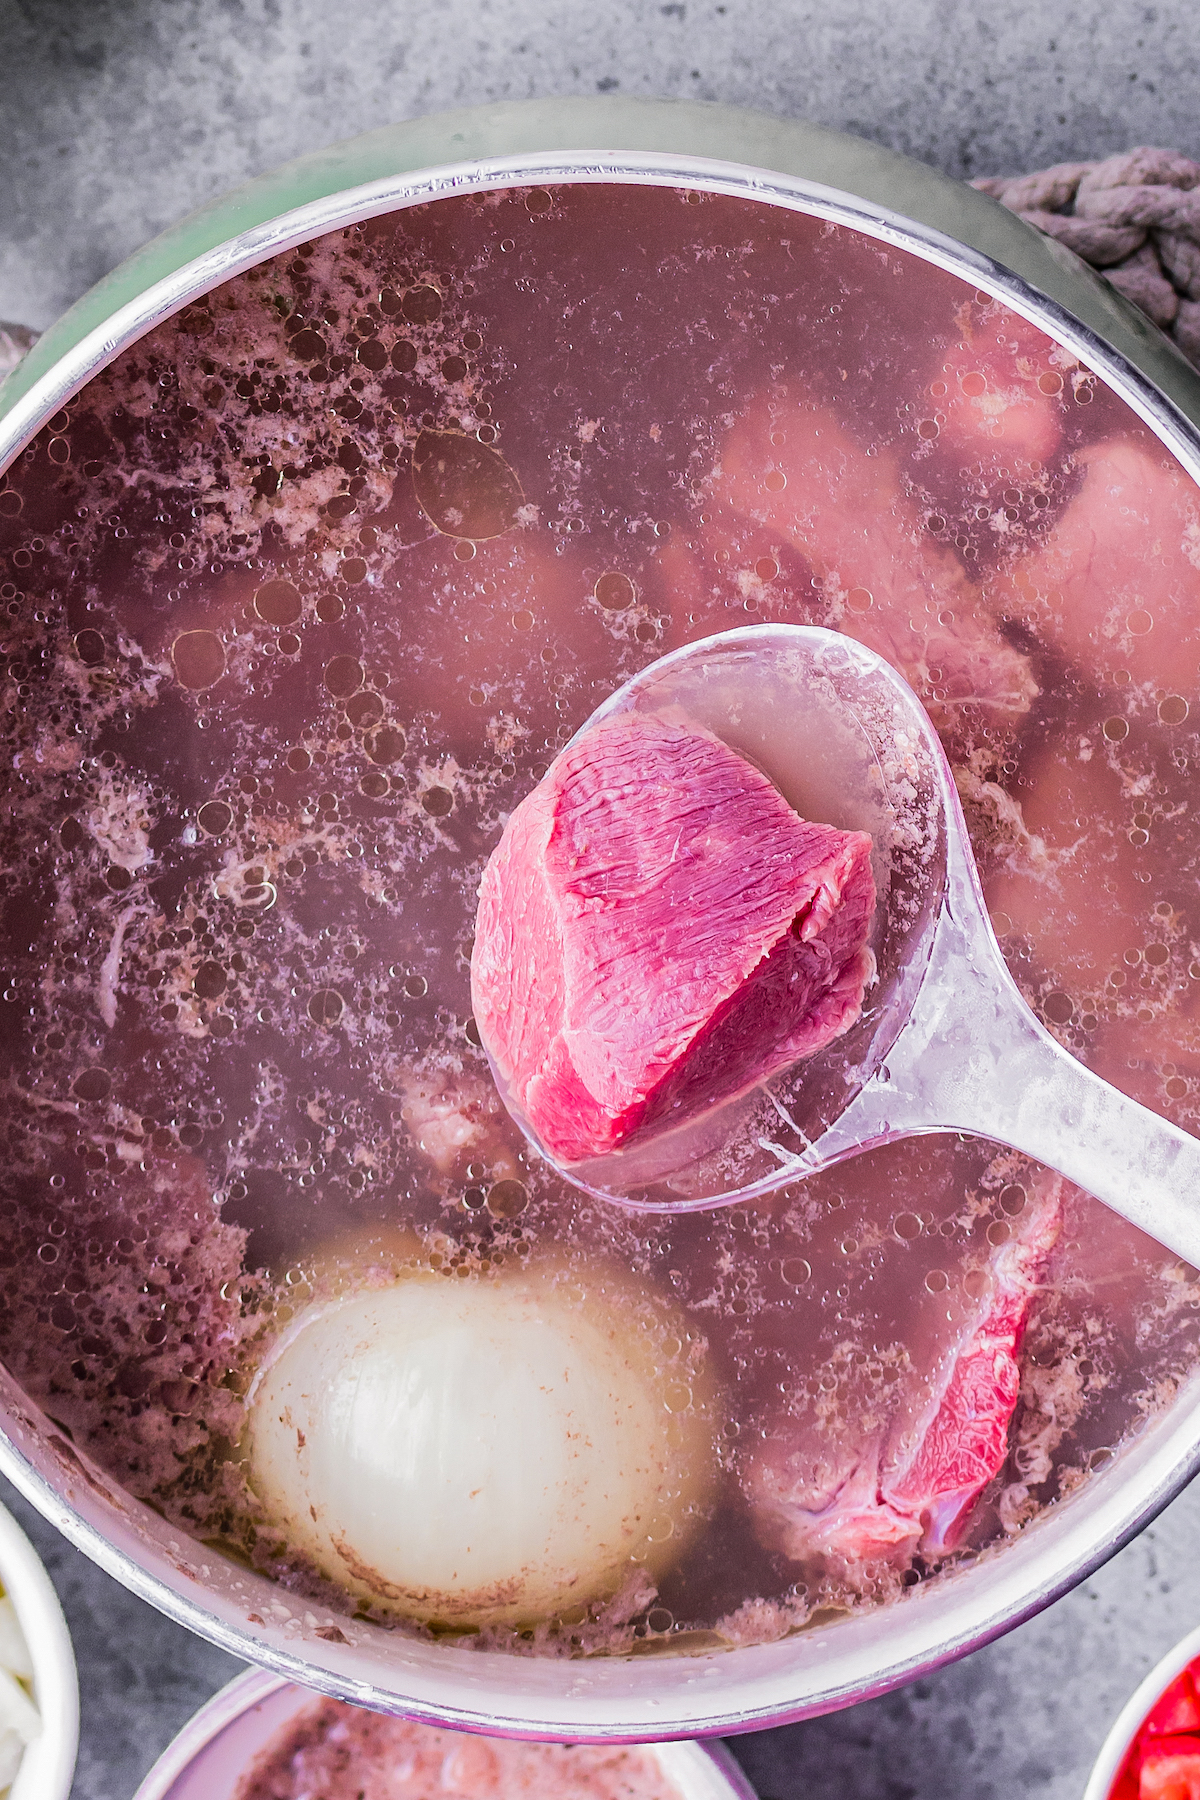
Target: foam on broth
x: 302, y: 595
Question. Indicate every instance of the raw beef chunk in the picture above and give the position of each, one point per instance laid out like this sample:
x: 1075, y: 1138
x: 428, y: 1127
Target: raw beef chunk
x: 850, y: 515
x: 658, y: 930
x: 912, y: 1485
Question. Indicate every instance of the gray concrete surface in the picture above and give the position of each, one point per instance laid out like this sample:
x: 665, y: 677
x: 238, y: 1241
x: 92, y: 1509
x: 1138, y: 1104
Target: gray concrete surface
x: 118, y: 115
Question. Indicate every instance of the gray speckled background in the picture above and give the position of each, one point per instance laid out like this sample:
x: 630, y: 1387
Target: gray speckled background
x: 116, y: 116
x: 119, y: 115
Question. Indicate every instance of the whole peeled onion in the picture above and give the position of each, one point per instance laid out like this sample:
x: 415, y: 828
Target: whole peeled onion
x: 494, y: 1450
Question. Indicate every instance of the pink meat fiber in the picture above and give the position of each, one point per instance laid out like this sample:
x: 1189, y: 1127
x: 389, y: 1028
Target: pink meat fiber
x: 657, y: 931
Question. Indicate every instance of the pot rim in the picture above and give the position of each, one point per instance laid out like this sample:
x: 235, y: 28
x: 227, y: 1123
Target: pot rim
x: 100, y: 346
x: 820, y: 1669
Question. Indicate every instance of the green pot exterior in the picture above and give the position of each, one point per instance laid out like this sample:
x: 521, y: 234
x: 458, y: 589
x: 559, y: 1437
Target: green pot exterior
x: 611, y: 123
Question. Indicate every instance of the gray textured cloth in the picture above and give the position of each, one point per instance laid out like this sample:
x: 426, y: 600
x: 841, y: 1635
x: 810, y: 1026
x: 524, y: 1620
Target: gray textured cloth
x: 15, y: 340
x: 1135, y: 217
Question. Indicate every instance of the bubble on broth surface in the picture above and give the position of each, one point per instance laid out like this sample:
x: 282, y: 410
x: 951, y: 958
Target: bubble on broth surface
x: 90, y: 648
x: 278, y: 602
x: 247, y: 904
x: 199, y: 658
x: 615, y: 591
x: 466, y: 489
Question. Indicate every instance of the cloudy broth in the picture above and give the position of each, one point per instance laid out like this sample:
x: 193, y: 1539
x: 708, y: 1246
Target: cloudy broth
x: 300, y: 597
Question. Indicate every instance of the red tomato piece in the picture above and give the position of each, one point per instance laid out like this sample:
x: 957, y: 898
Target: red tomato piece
x: 1170, y: 1769
x: 1177, y: 1711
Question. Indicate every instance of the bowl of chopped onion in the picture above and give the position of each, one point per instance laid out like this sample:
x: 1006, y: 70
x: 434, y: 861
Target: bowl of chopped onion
x: 39, y: 1690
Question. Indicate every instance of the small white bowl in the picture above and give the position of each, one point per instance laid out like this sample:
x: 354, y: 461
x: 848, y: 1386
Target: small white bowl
x: 1134, y: 1713
x: 220, y: 1743
x: 48, y: 1765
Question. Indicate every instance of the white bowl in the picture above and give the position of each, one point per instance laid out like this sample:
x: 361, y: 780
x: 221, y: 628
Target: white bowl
x: 220, y: 1742
x: 48, y: 1765
x: 1133, y: 1715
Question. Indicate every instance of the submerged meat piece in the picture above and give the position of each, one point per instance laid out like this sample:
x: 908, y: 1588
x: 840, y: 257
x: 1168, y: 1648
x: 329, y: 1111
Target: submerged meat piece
x: 998, y: 394
x: 794, y: 468
x: 658, y: 930
x: 1093, y: 932
x: 913, y: 1485
x: 1071, y: 889
x: 454, y: 1119
x: 1116, y: 583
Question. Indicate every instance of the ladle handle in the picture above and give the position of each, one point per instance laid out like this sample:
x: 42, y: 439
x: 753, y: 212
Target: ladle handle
x: 974, y: 1058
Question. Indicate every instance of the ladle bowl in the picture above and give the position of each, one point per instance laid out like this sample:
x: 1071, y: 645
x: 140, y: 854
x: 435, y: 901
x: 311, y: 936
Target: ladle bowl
x: 945, y: 1041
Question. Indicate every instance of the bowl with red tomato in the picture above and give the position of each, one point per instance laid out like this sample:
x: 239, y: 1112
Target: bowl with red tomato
x: 1153, y: 1749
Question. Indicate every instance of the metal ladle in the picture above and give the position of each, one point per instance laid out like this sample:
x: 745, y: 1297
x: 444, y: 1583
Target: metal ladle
x: 945, y: 1041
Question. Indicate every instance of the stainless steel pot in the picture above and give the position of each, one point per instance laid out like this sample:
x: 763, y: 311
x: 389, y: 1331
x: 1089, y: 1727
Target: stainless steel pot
x: 773, y: 163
